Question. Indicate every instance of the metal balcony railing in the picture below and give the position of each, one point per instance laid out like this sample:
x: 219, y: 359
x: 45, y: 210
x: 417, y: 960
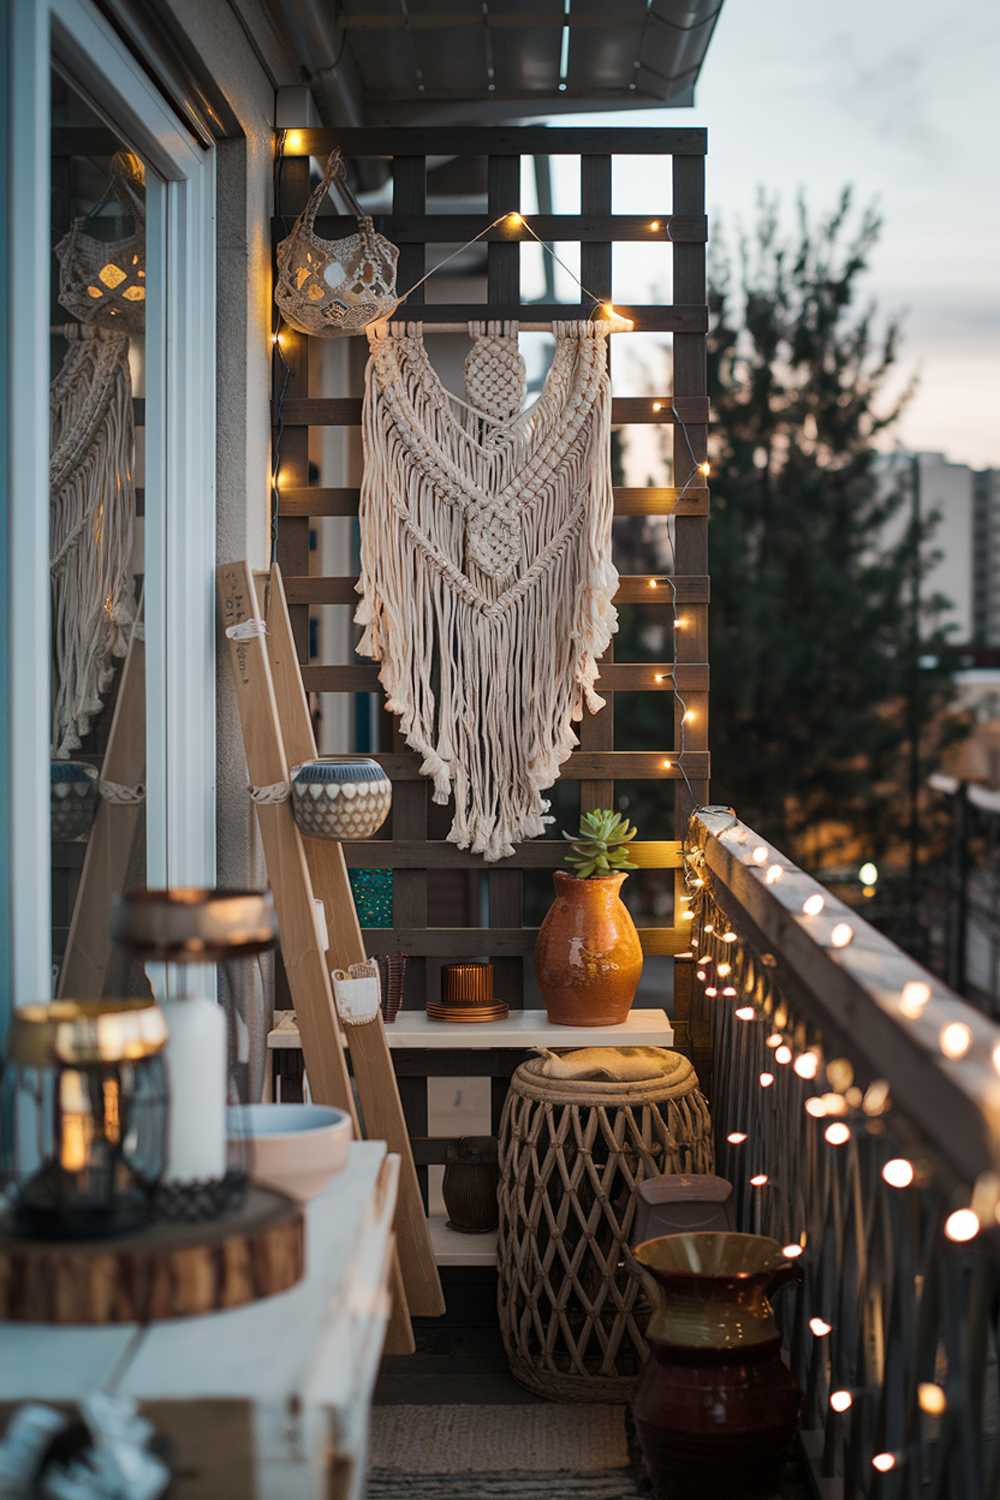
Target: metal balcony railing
x: 857, y: 1112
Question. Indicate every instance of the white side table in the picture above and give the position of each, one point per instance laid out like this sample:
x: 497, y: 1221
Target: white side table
x: 292, y: 1375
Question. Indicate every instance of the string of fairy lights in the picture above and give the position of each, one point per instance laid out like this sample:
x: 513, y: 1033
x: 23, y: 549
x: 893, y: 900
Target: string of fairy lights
x: 732, y: 972
x: 698, y: 471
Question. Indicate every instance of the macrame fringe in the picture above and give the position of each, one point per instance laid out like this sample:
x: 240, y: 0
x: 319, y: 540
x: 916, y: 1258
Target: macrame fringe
x: 92, y: 510
x: 486, y: 575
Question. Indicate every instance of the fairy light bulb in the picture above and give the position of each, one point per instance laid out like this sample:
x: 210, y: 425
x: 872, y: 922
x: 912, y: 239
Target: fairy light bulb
x: 774, y: 874
x: 652, y: 584
x: 819, y: 1327
x: 723, y: 969
x: 744, y: 1013
x: 667, y: 765
x: 931, y: 1398
x: 705, y: 468
x: 701, y: 975
x: 729, y: 936
x: 514, y: 219
x: 293, y: 143
x: 783, y: 1054
x: 736, y: 1137
x: 607, y: 308
x: 816, y: 1107
x: 837, y: 1134
x: 955, y: 1040
x: 759, y: 1180
x: 711, y: 991
x: 708, y: 927
x: 687, y: 915
x: 730, y: 990
x: 689, y: 715
x: 807, y: 1066
x: 961, y: 1226
x: 774, y: 1040
x: 657, y: 405
x: 898, y: 1172
x: 996, y: 1057
x: 884, y: 1462
x: 792, y: 1252
x: 653, y: 225
x: 813, y: 905
x: 766, y: 1080
x: 914, y: 997
x: 706, y: 958
x: 759, y: 855
x: 841, y: 1401
x: 842, y: 934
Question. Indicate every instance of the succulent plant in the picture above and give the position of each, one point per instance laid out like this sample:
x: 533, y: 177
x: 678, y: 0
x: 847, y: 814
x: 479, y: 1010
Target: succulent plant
x: 601, y: 845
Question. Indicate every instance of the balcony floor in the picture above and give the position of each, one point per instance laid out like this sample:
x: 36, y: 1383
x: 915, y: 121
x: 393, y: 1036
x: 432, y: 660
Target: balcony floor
x: 460, y: 1362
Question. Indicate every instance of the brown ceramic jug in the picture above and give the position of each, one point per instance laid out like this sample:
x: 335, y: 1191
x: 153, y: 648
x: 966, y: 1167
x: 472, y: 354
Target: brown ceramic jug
x: 715, y: 1408
x: 588, y: 957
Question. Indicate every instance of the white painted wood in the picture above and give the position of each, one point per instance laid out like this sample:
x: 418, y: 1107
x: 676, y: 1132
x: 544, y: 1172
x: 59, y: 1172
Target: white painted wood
x: 26, y: 715
x: 521, y: 1029
x: 305, y: 1360
x: 454, y: 1249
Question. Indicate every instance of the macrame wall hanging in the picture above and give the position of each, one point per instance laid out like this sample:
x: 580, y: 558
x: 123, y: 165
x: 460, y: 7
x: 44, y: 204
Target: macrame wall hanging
x: 486, y: 569
x: 91, y: 463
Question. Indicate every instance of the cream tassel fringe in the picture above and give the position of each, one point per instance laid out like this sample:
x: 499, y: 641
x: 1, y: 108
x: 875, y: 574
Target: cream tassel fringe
x: 92, y: 509
x: 486, y: 577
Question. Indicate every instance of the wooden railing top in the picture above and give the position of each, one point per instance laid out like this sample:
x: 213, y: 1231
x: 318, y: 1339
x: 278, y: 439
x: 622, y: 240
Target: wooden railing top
x: 853, y: 996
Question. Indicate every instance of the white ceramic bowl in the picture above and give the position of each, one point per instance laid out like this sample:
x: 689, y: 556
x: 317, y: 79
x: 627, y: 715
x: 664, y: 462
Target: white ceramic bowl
x: 294, y: 1148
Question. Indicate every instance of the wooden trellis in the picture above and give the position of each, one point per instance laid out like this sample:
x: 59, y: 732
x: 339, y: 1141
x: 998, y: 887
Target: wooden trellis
x: 410, y: 850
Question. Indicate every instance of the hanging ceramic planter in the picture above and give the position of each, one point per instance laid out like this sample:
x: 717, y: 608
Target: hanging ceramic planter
x: 340, y: 799
x: 73, y: 799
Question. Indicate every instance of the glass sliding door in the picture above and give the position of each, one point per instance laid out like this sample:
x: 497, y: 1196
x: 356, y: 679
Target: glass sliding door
x: 111, y: 568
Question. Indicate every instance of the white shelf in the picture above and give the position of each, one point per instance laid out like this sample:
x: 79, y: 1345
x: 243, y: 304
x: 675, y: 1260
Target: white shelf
x: 521, y: 1030
x: 454, y: 1249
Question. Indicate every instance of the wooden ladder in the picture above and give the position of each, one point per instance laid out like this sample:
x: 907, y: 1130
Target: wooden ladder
x: 278, y: 733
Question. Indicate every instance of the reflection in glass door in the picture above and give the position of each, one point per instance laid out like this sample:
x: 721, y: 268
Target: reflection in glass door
x: 96, y: 513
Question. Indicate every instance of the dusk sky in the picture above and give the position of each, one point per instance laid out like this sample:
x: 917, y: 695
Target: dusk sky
x: 900, y: 98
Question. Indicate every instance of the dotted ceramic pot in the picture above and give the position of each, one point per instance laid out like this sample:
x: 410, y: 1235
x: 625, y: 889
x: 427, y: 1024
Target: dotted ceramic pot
x: 340, y: 799
x: 72, y: 798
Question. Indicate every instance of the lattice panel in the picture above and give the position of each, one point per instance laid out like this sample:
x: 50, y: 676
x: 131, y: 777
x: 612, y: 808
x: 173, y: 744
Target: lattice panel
x: 412, y: 850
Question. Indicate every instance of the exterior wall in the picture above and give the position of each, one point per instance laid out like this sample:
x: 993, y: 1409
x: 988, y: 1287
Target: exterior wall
x: 945, y: 488
x: 986, y: 588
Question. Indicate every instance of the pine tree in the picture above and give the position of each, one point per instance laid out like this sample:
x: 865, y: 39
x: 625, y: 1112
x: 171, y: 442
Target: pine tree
x: 817, y: 673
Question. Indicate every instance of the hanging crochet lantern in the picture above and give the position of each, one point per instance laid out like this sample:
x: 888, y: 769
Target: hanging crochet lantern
x: 340, y: 799
x: 72, y: 799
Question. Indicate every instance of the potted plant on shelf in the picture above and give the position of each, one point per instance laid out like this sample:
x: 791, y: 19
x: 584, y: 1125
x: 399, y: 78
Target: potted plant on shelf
x: 588, y: 957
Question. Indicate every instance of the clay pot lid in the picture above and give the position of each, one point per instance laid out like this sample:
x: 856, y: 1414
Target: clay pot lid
x: 684, y: 1187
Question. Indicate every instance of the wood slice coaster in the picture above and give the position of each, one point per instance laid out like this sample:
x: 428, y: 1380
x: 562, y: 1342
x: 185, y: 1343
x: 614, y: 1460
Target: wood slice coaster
x: 167, y: 1271
x: 468, y: 1013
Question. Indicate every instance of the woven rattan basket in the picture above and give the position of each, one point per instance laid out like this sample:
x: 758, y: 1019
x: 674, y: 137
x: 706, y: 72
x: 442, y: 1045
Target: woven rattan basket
x: 571, y: 1300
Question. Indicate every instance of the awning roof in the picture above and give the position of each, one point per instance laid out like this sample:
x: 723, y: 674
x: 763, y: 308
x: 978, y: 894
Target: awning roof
x: 403, y: 61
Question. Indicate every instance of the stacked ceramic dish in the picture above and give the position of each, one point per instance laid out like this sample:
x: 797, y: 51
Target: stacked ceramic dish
x: 467, y: 995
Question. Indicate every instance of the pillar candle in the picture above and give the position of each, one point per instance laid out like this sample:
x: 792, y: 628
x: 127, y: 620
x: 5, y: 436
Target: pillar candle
x: 196, y: 1067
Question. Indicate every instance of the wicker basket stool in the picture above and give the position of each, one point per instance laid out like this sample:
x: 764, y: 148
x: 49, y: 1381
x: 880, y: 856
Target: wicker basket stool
x: 571, y: 1300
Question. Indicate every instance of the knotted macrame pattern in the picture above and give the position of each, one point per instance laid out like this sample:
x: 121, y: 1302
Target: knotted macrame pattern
x: 486, y: 573
x: 92, y: 507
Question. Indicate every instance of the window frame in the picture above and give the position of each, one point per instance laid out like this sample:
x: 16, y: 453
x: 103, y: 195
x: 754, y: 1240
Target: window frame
x: 179, y: 480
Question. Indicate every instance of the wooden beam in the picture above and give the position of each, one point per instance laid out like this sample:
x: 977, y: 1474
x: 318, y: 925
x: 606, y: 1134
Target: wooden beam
x: 622, y: 677
x: 648, y: 500
x: 582, y: 765
x: 501, y: 140
x: 536, y: 854
x: 497, y: 942
x: 650, y: 589
x: 642, y: 411
x: 456, y: 229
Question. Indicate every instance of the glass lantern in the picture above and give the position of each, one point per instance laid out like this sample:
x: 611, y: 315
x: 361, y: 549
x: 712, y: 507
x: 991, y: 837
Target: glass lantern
x: 207, y: 1151
x: 85, y: 1092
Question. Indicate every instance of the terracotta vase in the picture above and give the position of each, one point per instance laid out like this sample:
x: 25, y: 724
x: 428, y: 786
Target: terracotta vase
x: 588, y: 957
x: 715, y: 1408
